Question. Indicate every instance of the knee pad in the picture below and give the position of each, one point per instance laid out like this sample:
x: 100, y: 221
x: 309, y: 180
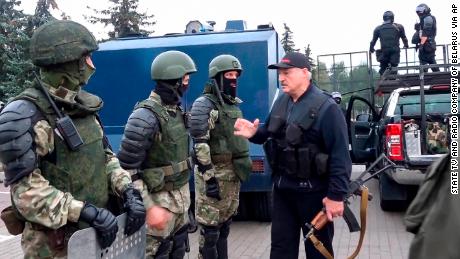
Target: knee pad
x: 181, y: 235
x: 164, y: 249
x: 211, y: 235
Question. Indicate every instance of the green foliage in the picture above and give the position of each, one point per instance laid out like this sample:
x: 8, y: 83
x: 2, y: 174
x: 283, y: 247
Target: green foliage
x: 125, y: 18
x: 16, y: 28
x: 287, y: 40
x: 308, y: 54
x: 15, y: 65
x: 42, y: 13
x: 321, y: 77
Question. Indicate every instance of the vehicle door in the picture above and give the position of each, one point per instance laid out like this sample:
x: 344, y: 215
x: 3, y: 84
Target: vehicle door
x: 362, y: 121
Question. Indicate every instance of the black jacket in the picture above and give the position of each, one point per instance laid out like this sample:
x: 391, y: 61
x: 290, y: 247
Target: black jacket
x: 329, y: 132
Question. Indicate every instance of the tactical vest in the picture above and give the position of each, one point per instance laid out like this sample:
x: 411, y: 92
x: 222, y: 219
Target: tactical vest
x: 225, y: 147
x: 167, y: 164
x: 433, y: 30
x: 389, y: 36
x: 287, y: 150
x: 81, y: 172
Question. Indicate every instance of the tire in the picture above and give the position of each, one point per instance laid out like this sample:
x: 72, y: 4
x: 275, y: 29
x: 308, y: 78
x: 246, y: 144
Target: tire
x: 390, y: 203
x: 243, y: 213
x: 255, y: 206
x: 263, y: 202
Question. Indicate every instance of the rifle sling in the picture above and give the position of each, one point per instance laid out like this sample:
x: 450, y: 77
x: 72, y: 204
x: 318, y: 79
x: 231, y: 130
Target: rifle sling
x: 363, y: 216
x: 320, y: 247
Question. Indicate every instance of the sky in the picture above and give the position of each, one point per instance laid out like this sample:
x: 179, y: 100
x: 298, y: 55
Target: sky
x: 329, y: 26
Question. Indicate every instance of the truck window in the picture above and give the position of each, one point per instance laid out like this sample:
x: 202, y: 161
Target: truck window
x: 435, y: 103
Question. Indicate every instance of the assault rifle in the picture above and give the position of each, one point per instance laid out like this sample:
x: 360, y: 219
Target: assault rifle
x: 356, y: 188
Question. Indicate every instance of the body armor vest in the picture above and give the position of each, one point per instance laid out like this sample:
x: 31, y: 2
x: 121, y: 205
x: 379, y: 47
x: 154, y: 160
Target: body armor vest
x: 389, y: 36
x: 433, y: 29
x: 167, y: 165
x: 81, y: 172
x: 287, y: 150
x: 225, y: 147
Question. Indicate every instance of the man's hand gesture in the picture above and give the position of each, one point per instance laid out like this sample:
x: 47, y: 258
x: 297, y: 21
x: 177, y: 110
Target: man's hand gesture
x: 245, y: 128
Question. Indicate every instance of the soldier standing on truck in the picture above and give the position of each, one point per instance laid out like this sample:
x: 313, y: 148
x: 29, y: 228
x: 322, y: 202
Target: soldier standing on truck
x: 389, y: 33
x: 425, y: 41
x: 306, y: 143
x: 154, y: 148
x: 57, y: 159
x: 221, y: 158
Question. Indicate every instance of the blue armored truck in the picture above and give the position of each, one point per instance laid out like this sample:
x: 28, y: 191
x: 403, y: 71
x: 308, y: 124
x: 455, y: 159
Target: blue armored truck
x: 123, y: 79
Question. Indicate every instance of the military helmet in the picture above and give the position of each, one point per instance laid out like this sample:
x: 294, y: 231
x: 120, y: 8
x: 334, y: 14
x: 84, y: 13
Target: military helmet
x: 422, y: 9
x: 59, y: 42
x: 223, y: 63
x: 336, y: 95
x: 388, y: 16
x: 172, y: 64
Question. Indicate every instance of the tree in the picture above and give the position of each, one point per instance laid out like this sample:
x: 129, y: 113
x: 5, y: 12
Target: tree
x: 125, y: 18
x: 287, y: 41
x: 16, y: 28
x: 15, y: 64
x: 308, y: 54
x: 321, y: 77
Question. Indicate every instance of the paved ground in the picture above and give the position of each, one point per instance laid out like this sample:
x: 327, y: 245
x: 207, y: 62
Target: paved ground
x: 385, y: 237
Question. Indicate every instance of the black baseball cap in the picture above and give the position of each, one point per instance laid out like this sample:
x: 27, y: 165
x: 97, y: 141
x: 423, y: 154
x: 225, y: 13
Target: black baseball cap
x: 292, y: 59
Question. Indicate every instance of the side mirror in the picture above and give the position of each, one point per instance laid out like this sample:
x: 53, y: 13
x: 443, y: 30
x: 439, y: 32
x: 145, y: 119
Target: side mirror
x: 363, y: 117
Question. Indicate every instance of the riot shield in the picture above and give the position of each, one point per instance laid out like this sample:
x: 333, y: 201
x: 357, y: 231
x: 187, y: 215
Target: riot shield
x: 84, y: 244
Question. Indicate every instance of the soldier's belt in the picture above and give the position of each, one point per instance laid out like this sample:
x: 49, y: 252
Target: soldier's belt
x: 170, y: 170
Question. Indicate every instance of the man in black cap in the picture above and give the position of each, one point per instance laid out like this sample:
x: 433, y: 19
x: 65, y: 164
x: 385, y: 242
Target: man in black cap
x: 306, y: 144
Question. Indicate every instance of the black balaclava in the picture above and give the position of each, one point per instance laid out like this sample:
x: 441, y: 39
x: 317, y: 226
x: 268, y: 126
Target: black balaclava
x: 227, y: 86
x: 170, y: 91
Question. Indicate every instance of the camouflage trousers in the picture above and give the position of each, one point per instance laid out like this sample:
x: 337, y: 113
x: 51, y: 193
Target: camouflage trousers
x: 39, y: 244
x: 154, y: 236
x: 210, y: 211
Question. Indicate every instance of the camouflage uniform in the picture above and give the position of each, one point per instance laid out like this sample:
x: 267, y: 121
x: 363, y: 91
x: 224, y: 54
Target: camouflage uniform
x: 49, y: 191
x: 437, y: 138
x: 154, y: 148
x: 222, y: 159
x: 433, y: 214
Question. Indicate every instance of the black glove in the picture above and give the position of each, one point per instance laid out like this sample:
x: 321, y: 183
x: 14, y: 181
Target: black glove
x: 371, y: 50
x: 406, y: 46
x: 212, y: 188
x: 103, y: 221
x: 134, y: 206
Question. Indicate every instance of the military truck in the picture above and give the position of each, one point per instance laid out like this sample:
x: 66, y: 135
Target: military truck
x: 402, y: 114
x: 123, y: 79
x: 412, y: 129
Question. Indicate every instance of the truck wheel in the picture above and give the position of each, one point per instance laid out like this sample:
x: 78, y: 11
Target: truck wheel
x: 393, y: 196
x: 243, y: 211
x: 263, y: 204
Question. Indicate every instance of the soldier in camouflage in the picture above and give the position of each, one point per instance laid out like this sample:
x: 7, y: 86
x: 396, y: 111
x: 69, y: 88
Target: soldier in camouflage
x: 154, y: 148
x: 57, y: 189
x: 222, y: 159
x: 437, y: 138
